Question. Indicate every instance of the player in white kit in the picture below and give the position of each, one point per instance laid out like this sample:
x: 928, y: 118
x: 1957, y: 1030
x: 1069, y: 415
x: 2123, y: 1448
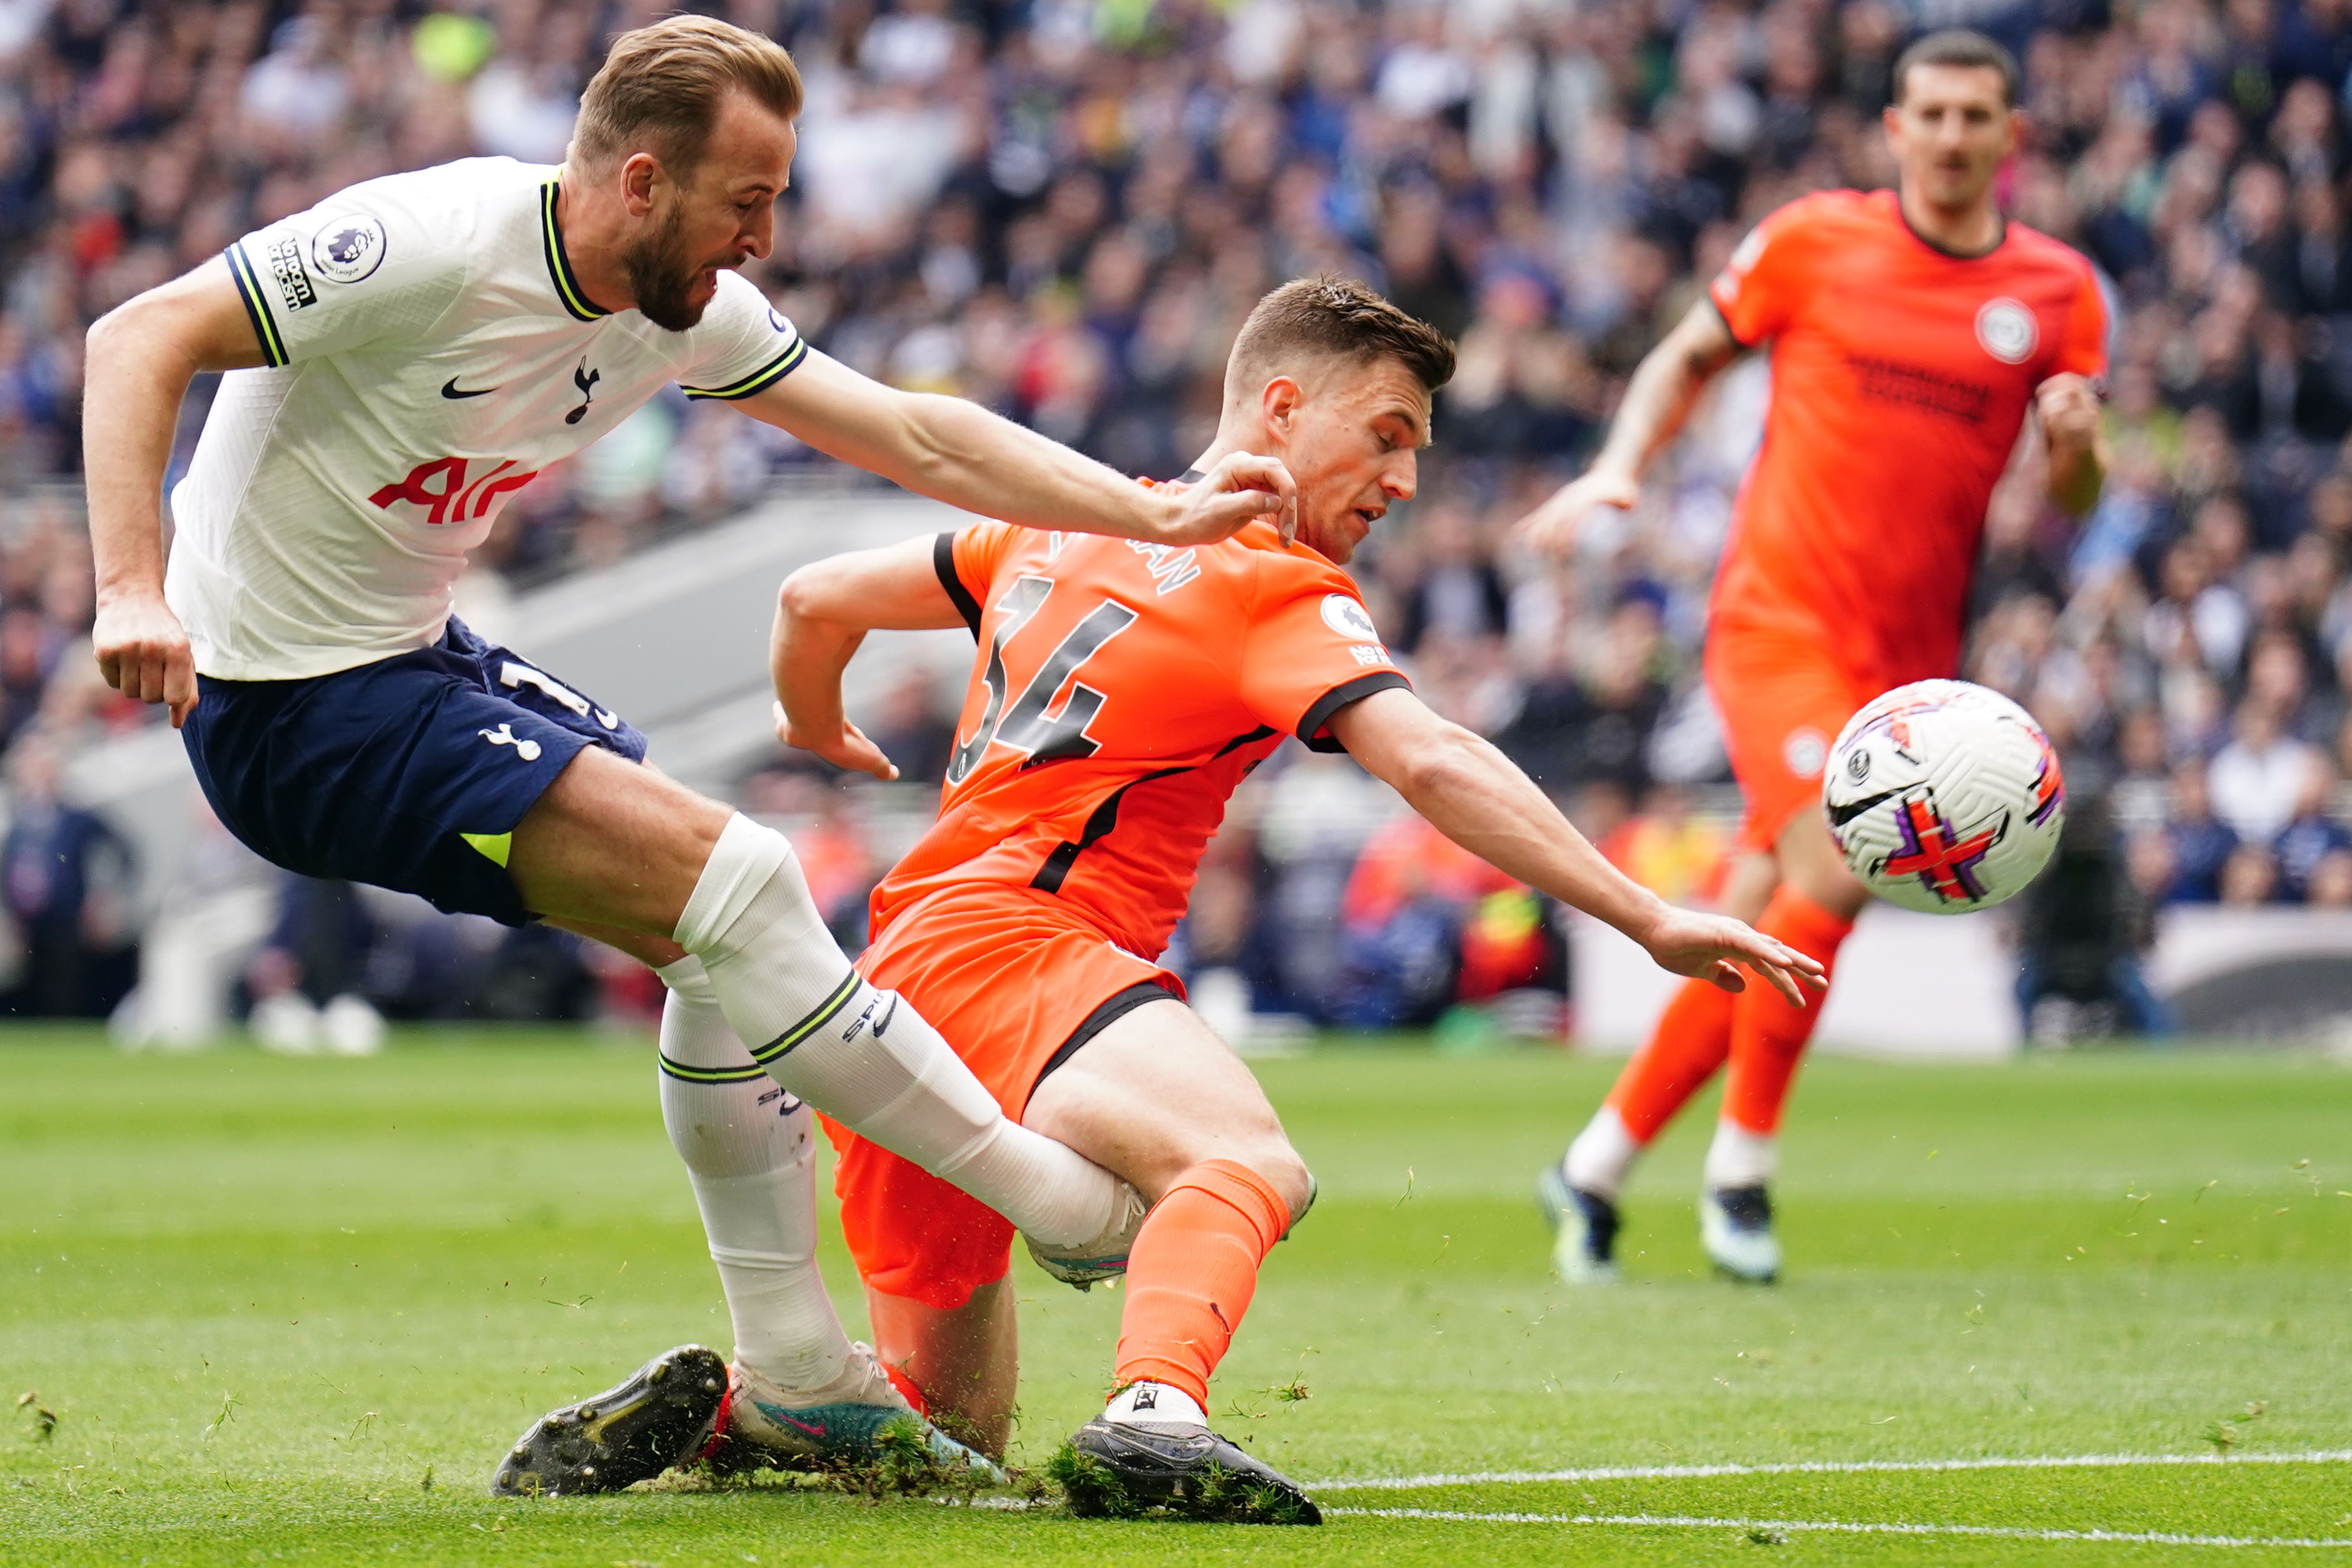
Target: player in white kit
x: 401, y: 359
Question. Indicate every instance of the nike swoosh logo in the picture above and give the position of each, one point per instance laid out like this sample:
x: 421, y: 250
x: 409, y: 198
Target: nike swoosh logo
x: 1841, y: 815
x: 595, y: 1430
x: 449, y: 390
x: 815, y: 1429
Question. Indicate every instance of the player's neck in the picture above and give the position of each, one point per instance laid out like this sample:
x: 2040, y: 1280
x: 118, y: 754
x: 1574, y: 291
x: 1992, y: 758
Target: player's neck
x: 586, y: 220
x: 1965, y: 232
x: 1231, y: 440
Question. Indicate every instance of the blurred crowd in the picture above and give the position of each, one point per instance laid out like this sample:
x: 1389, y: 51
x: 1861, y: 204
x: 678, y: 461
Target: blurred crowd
x: 1063, y: 208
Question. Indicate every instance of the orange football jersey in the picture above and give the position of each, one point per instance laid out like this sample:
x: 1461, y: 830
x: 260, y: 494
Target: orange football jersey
x: 1120, y: 692
x: 1901, y: 376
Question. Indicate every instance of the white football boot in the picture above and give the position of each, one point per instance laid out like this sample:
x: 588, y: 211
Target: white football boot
x: 1735, y: 1226
x: 842, y: 1423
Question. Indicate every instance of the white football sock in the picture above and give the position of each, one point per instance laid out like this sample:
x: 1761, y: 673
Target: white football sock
x: 1738, y: 1157
x: 864, y: 1056
x: 1149, y: 1403
x: 749, y: 1147
x: 1602, y: 1154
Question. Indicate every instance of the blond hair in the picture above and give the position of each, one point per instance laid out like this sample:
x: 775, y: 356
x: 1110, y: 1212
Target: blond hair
x: 660, y: 87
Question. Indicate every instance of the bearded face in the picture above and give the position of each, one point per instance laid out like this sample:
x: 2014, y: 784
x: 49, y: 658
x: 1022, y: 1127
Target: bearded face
x: 662, y: 277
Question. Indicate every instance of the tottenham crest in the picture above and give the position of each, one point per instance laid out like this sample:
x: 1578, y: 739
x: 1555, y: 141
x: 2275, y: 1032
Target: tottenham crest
x: 2008, y: 332
x: 348, y: 248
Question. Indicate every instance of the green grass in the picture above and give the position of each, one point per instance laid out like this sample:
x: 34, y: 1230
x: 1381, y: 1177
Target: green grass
x: 270, y: 1301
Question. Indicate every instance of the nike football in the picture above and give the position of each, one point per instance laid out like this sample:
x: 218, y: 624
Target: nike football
x: 1944, y: 797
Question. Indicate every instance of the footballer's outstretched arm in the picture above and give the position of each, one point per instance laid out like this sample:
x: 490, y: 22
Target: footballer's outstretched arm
x: 1657, y: 400
x: 822, y: 613
x: 1479, y: 798
x: 141, y: 355
x: 953, y: 449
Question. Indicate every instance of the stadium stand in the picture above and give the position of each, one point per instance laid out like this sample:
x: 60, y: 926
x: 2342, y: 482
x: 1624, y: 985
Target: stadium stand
x: 1063, y: 208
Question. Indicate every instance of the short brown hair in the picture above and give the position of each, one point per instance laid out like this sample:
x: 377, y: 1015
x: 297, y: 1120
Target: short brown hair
x: 660, y: 87
x: 1959, y: 46
x: 1340, y: 317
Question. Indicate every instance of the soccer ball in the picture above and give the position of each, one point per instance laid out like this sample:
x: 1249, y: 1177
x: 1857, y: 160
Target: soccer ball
x: 1944, y: 797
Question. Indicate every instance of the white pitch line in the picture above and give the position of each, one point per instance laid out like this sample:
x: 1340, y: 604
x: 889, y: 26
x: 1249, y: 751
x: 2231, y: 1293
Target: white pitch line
x: 1823, y: 1468
x: 1843, y: 1527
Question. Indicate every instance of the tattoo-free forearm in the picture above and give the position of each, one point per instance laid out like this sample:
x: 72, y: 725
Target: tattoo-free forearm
x: 1664, y: 386
x: 131, y: 406
x: 986, y: 464
x: 806, y: 657
x: 1476, y: 796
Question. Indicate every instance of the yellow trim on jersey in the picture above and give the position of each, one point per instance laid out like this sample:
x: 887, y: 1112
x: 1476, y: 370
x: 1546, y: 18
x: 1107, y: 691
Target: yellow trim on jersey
x: 257, y: 306
x: 559, y: 265
x: 760, y: 380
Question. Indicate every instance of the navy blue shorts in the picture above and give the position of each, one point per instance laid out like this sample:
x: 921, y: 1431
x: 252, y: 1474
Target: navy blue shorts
x: 409, y: 773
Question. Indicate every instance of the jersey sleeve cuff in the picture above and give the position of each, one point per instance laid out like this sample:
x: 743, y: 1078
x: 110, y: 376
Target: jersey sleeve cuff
x: 1339, y: 696
x: 1725, y: 317
x: 760, y: 380
x: 257, y: 306
x: 943, y: 562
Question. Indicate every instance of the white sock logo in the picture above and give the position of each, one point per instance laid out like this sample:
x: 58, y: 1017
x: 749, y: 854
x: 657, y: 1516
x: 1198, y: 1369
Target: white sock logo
x: 504, y: 736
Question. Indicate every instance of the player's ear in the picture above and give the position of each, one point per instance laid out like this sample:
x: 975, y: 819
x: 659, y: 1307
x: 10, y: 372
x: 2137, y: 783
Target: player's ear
x: 640, y: 173
x: 1279, y: 403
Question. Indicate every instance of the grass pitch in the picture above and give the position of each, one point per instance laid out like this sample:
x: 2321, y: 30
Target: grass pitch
x: 294, y: 1309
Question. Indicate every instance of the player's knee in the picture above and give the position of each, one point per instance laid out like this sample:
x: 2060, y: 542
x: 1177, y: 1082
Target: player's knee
x: 1277, y: 1165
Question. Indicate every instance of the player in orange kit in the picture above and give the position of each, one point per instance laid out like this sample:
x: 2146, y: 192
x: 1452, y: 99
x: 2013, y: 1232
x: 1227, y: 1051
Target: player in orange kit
x: 1118, y: 696
x: 1913, y: 333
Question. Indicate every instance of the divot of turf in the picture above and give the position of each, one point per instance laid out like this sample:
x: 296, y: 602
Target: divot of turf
x: 1089, y: 1487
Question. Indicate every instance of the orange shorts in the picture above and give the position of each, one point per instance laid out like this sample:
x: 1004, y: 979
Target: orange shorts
x: 1017, y: 982
x: 1783, y: 695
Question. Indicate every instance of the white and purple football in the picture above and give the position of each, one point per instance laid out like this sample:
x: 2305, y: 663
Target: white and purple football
x: 1944, y: 797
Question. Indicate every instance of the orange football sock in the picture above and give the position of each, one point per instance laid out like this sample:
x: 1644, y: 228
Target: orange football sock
x: 1768, y: 1035
x: 1192, y: 1273
x: 1693, y: 1037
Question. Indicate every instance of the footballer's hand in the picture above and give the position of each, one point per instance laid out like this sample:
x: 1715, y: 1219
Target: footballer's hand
x: 2068, y: 406
x: 142, y: 652
x: 1713, y: 948
x: 1553, y: 526
x: 1240, y: 489
x: 845, y: 748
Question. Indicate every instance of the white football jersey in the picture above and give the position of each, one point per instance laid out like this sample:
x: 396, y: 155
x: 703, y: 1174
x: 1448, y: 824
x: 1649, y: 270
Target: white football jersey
x: 429, y: 352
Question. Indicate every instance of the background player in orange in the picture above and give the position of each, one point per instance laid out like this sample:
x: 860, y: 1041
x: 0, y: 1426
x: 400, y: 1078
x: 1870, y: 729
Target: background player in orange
x: 1118, y: 695
x: 1913, y: 333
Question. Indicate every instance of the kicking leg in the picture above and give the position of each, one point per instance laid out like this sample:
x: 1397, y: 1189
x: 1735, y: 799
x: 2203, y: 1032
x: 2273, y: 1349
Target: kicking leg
x: 798, y: 1389
x: 612, y: 844
x: 1159, y: 1098
x: 749, y: 1151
